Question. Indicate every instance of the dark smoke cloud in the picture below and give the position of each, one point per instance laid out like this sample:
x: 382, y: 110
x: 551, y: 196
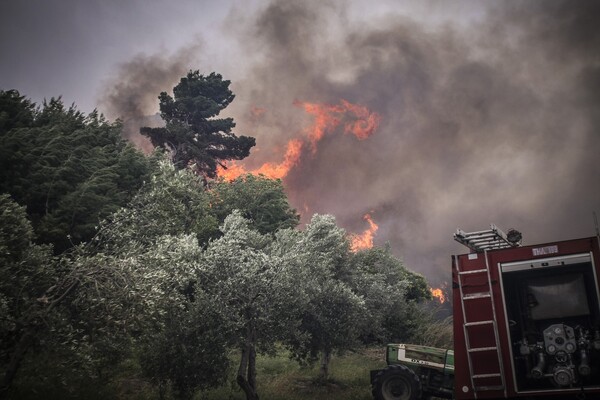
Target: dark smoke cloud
x: 132, y: 94
x: 492, y: 121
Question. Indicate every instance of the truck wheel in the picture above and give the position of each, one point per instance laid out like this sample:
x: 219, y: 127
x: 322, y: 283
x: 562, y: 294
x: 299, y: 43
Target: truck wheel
x: 396, y: 382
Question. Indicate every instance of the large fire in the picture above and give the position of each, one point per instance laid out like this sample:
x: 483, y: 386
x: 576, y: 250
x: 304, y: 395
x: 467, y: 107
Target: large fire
x: 328, y: 119
x: 365, y: 239
x: 439, y: 294
x: 357, y: 120
x: 352, y: 118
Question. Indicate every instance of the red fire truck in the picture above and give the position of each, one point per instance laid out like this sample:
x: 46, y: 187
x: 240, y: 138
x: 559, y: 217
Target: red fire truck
x: 526, y: 318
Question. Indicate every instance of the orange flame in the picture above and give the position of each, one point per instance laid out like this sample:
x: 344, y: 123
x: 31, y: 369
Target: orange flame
x: 329, y: 117
x: 270, y: 170
x: 439, y: 294
x: 365, y: 239
x: 356, y: 119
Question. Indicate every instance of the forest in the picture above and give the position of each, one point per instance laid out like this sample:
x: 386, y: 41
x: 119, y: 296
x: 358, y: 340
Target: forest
x: 122, y: 272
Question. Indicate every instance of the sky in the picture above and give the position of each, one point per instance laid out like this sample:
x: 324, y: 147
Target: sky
x: 489, y: 112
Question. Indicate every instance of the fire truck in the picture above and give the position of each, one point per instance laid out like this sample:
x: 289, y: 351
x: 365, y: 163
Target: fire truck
x: 526, y: 318
x: 526, y: 325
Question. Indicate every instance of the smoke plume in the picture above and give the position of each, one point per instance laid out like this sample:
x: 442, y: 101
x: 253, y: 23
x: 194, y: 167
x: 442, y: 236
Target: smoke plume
x: 132, y: 94
x: 494, y: 120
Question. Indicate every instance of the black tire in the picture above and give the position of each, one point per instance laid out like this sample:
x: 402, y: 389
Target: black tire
x: 396, y: 382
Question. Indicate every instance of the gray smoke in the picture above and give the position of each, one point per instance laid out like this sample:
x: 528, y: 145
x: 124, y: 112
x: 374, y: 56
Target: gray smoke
x: 132, y: 93
x: 495, y: 120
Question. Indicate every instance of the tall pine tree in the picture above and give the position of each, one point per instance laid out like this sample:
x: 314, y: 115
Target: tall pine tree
x: 193, y: 136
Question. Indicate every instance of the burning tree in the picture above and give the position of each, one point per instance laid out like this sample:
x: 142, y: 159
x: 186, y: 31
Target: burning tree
x: 193, y: 136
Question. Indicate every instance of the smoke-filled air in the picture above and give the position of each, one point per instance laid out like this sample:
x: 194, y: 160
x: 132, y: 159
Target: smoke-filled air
x: 407, y: 130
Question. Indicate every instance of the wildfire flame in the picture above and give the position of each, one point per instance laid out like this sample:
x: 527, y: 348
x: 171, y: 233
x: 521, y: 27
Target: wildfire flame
x: 365, y: 239
x: 355, y: 119
x: 439, y: 294
x: 328, y: 117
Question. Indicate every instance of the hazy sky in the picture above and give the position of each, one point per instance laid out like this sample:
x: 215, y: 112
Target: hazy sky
x: 489, y: 110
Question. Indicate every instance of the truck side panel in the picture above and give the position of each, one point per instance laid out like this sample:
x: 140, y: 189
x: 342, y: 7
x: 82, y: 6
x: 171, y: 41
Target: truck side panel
x: 526, y: 321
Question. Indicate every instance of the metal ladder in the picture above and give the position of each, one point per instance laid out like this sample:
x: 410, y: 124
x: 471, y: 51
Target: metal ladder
x: 478, y: 241
x: 490, y: 239
x: 466, y: 324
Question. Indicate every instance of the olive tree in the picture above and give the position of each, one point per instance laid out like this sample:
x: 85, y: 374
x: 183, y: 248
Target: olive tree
x: 258, y: 282
x: 334, y: 313
x: 392, y: 294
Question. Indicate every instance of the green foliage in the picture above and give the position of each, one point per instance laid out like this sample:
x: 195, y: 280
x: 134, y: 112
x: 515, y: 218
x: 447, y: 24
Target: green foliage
x: 259, y: 286
x: 331, y: 323
x: 190, y: 352
x: 380, y: 260
x: 431, y: 331
x: 192, y: 134
x: 255, y: 280
x: 154, y: 276
x: 16, y: 233
x: 391, y: 294
x: 182, y: 333
x: 261, y: 200
x: 280, y: 378
x: 69, y: 170
x: 171, y: 203
x: 25, y: 273
x: 15, y: 111
x: 334, y: 313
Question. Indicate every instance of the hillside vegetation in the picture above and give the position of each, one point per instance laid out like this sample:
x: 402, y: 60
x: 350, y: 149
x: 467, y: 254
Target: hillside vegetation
x: 124, y: 276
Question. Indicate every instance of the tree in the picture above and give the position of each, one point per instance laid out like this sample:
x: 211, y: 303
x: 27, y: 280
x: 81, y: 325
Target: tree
x: 391, y: 292
x: 331, y: 322
x: 193, y: 136
x: 334, y: 313
x: 183, y: 335
x: 65, y: 309
x: 15, y: 111
x: 171, y: 203
x: 365, y: 296
x: 259, y: 283
x: 80, y: 309
x: 189, y: 352
x: 261, y: 200
x: 68, y: 169
x: 25, y: 273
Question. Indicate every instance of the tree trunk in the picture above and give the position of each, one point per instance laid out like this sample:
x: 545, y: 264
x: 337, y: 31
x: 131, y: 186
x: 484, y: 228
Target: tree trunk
x: 325, y: 358
x: 252, y: 368
x: 246, y: 376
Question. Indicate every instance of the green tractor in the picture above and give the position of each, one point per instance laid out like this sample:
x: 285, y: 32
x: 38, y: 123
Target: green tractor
x: 414, y: 372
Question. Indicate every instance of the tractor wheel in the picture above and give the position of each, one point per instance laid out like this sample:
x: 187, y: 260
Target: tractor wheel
x: 396, y: 382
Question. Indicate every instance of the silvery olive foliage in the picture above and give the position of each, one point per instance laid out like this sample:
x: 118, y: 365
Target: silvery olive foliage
x: 172, y: 202
x: 260, y: 284
x: 391, y: 292
x: 163, y: 283
x: 334, y: 313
